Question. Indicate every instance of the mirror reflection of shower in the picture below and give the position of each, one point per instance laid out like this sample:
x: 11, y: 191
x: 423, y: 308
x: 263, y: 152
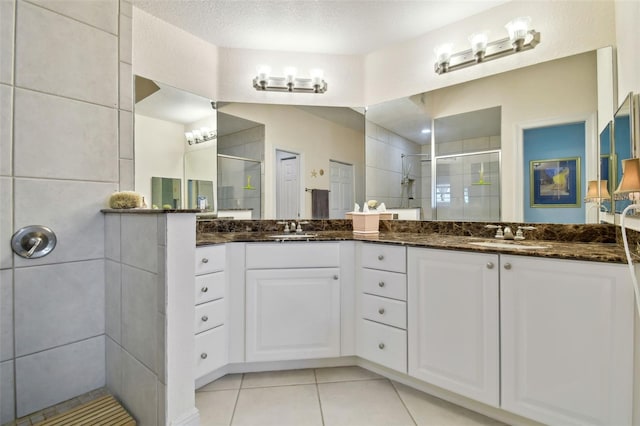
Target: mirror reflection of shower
x: 409, y: 175
x: 239, y: 187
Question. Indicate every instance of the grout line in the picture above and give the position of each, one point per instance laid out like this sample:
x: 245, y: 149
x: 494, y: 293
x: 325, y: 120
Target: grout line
x: 69, y: 17
x: 62, y: 345
x: 20, y: 267
x: 69, y: 98
x: 57, y: 179
x: 318, y: 395
x: 393, y: 385
x: 13, y: 203
x: 235, y: 406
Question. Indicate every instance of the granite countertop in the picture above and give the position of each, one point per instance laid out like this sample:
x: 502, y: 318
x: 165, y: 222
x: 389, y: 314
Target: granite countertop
x: 587, y: 251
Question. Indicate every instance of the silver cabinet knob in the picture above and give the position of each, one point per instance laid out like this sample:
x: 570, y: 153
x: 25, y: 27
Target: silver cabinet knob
x: 381, y: 311
x: 205, y: 260
x: 381, y: 284
x: 204, y: 289
x: 335, y: 277
x: 381, y: 345
x: 203, y: 355
x: 489, y: 265
x: 507, y: 266
x: 205, y: 318
x: 380, y: 257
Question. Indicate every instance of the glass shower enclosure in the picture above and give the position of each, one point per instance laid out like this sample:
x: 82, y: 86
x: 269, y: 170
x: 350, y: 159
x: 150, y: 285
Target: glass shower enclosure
x: 240, y: 184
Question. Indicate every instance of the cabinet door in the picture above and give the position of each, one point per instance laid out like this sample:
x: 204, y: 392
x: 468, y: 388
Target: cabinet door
x: 453, y: 321
x: 292, y: 314
x: 567, y: 341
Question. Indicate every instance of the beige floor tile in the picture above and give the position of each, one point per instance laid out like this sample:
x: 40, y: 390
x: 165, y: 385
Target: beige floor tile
x: 278, y: 378
x: 230, y: 381
x: 428, y: 410
x: 278, y: 406
x: 362, y: 403
x: 344, y: 374
x: 216, y: 408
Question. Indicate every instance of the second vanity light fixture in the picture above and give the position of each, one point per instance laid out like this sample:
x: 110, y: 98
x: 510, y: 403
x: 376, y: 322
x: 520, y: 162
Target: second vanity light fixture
x: 197, y: 136
x: 520, y: 38
x: 264, y: 81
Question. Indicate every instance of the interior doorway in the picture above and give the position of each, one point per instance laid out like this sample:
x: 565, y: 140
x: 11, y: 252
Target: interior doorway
x: 341, y: 185
x: 287, y: 185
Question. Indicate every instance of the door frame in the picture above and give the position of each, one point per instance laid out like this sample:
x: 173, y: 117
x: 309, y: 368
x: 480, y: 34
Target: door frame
x: 353, y: 178
x: 301, y: 176
x: 590, y: 160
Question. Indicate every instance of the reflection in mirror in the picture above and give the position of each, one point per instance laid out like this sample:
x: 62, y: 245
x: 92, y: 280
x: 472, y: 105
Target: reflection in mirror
x: 528, y: 97
x: 199, y: 194
x: 163, y: 116
x: 623, y: 144
x: 606, y: 168
x: 166, y: 193
x: 239, y: 187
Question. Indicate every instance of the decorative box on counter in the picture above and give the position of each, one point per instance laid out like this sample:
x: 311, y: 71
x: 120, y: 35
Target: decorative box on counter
x: 364, y: 223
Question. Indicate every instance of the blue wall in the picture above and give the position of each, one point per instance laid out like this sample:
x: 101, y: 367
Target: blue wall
x: 553, y: 142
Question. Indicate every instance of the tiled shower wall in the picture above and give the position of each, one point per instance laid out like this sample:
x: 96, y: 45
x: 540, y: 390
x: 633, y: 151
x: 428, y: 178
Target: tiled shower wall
x: 65, y: 145
x: 384, y: 167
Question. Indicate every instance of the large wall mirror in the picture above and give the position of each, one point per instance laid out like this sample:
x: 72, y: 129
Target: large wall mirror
x: 255, y: 161
x: 626, y: 137
x: 468, y: 152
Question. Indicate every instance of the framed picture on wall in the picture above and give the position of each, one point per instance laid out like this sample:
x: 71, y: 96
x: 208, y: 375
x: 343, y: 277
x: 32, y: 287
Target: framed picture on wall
x: 555, y: 182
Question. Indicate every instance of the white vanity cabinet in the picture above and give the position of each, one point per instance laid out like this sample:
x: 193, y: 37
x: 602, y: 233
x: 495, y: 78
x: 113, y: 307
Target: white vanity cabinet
x: 292, y: 301
x: 211, y: 336
x: 567, y: 340
x: 382, y: 305
x: 454, y: 321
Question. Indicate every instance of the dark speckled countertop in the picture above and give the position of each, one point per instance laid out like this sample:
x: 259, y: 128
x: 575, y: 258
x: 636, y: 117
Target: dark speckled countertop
x: 602, y: 247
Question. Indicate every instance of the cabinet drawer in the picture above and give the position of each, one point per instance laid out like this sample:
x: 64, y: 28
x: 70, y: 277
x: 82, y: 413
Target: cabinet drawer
x: 209, y: 287
x: 210, y: 259
x: 209, y: 315
x: 385, y: 257
x: 211, y: 350
x: 386, y: 311
x: 386, y: 284
x: 292, y: 255
x: 384, y: 345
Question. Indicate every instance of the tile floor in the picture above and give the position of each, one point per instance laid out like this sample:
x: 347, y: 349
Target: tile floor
x: 341, y: 396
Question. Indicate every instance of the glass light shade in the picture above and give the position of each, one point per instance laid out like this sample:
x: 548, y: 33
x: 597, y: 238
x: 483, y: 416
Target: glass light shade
x: 205, y: 132
x: 316, y: 75
x: 630, y: 182
x: 518, y: 28
x: 189, y: 137
x: 264, y: 71
x: 597, y: 191
x: 197, y: 135
x: 443, y: 53
x: 479, y: 42
x: 290, y: 73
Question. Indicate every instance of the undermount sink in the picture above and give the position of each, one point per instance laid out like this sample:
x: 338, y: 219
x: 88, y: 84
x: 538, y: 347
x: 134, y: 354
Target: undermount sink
x: 506, y: 245
x: 293, y: 236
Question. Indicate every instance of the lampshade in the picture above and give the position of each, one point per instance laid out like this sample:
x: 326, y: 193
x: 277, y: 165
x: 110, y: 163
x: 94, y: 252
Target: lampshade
x: 597, y: 191
x: 630, y: 182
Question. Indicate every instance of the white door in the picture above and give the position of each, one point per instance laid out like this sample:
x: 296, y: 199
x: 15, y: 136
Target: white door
x: 292, y: 314
x: 567, y: 341
x: 288, y: 185
x: 453, y: 321
x: 341, y: 195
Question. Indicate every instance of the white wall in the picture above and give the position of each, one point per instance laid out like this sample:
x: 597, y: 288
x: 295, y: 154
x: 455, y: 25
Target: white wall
x: 317, y: 140
x: 627, y: 15
x: 567, y: 28
x: 159, y: 151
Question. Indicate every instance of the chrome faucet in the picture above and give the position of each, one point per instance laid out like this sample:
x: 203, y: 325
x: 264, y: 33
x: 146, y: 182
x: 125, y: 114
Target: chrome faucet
x: 508, y: 234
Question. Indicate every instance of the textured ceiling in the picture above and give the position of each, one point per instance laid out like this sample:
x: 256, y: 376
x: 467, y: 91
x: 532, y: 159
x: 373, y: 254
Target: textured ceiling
x: 320, y: 26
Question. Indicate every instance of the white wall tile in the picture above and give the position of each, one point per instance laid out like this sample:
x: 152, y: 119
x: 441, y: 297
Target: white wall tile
x: 6, y: 315
x: 112, y: 236
x: 7, y: 394
x: 139, y: 313
x: 52, y: 376
x: 45, y: 38
x: 98, y: 13
x: 126, y: 176
x: 125, y: 38
x: 161, y: 359
x: 113, y: 367
x: 139, y: 245
x: 139, y: 391
x: 6, y: 127
x: 162, y: 288
x: 58, y: 304
x: 126, y: 135
x: 126, y: 86
x: 7, y: 16
x: 113, y: 297
x: 6, y: 221
x: 71, y: 209
x: 66, y: 139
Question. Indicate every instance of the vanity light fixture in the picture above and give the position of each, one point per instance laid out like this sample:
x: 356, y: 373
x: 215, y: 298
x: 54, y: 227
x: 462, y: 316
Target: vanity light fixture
x: 520, y: 38
x: 197, y: 136
x: 264, y: 81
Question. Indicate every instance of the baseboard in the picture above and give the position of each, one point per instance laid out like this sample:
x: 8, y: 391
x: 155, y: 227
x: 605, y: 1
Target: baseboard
x: 191, y: 418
